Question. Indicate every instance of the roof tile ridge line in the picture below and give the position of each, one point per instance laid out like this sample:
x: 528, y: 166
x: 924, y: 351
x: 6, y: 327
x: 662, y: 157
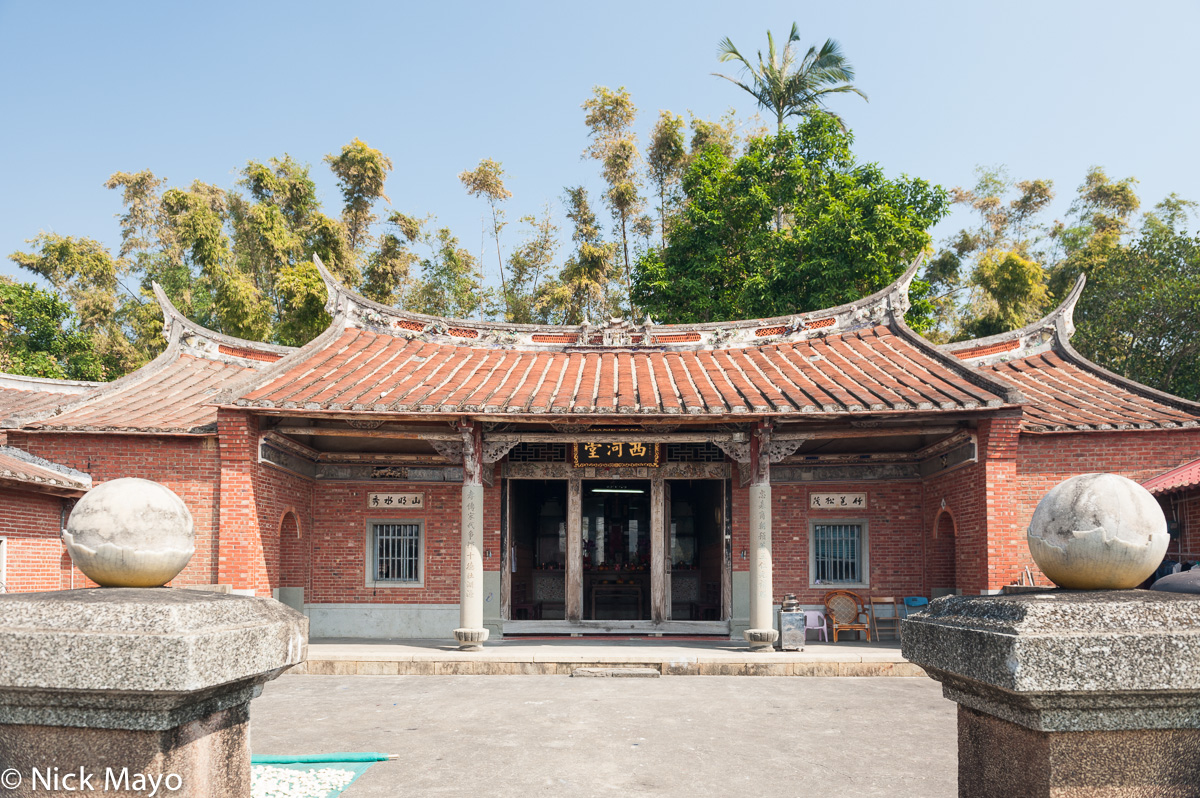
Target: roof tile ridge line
x: 334, y: 289
x: 1009, y: 393
x: 258, y: 378
x: 172, y: 316
x: 1065, y: 312
x: 165, y: 358
x: 1062, y: 343
x: 82, y: 477
x: 36, y: 383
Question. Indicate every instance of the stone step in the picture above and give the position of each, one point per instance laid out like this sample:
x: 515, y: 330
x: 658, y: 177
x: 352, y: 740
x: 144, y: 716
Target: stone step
x: 469, y: 667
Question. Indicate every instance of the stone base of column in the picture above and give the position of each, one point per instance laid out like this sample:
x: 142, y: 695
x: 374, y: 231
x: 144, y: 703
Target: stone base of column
x: 471, y: 639
x: 999, y: 759
x: 761, y: 639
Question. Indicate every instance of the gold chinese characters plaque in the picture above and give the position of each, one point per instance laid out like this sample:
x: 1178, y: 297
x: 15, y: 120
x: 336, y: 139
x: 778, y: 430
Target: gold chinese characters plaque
x: 616, y: 454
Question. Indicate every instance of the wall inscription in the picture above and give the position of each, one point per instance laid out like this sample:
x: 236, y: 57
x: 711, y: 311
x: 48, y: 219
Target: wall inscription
x: 837, y: 501
x: 396, y: 500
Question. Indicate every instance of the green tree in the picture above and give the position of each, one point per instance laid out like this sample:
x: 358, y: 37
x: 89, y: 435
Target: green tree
x: 583, y: 289
x: 993, y: 277
x: 487, y: 181
x: 787, y: 88
x: 666, y: 159
x: 848, y: 231
x: 92, y: 281
x: 451, y: 284
x: 1140, y: 313
x: 610, y: 116
x: 361, y: 172
x: 39, y: 337
x: 527, y: 264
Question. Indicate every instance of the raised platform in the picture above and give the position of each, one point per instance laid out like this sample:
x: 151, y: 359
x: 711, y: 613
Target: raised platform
x: 561, y: 656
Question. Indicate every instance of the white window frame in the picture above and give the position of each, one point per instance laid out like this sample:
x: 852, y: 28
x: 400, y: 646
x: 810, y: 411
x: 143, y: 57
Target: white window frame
x: 864, y: 553
x: 370, y: 549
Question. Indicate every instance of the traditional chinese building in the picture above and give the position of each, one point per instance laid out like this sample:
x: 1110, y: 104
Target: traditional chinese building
x: 404, y: 475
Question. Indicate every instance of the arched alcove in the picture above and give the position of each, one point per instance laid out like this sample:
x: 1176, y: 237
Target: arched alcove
x: 942, y: 554
x: 291, y: 550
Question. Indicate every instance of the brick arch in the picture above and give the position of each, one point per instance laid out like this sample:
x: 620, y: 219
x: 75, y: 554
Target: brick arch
x: 291, y: 549
x: 943, y: 552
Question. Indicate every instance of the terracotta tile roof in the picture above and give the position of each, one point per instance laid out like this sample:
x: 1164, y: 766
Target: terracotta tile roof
x: 173, y: 398
x: 172, y: 394
x: 22, y: 470
x: 872, y: 369
x: 1063, y: 396
x: 1064, y: 391
x: 1180, y: 478
x: 25, y: 396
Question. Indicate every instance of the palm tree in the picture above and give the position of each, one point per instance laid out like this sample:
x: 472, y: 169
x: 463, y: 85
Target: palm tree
x: 788, y: 88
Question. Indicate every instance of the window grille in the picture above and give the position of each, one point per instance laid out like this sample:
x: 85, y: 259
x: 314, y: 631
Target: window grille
x: 397, y: 552
x: 540, y: 452
x: 694, y: 453
x: 837, y: 553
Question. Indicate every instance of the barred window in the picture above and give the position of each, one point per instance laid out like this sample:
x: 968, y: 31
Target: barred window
x: 396, y: 552
x: 838, y: 554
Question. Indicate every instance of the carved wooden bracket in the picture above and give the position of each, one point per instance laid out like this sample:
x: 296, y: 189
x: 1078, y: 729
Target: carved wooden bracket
x: 738, y: 452
x: 451, y: 450
x: 365, y: 423
x: 494, y: 451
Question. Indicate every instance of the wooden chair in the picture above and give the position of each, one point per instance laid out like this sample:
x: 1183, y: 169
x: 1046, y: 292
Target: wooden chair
x: 846, y: 613
x: 889, y: 622
x: 521, y: 605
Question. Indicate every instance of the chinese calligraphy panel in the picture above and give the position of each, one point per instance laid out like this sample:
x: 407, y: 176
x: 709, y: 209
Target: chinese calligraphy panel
x: 396, y: 500
x: 616, y: 454
x: 837, y: 501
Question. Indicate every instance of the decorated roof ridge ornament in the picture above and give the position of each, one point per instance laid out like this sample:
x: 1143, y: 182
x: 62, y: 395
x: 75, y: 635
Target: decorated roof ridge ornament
x: 203, y: 342
x: 1032, y: 339
x: 350, y: 309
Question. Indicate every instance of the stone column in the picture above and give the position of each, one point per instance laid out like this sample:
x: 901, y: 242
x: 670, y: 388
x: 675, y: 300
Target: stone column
x: 1068, y: 693
x: 761, y: 635
x: 471, y: 632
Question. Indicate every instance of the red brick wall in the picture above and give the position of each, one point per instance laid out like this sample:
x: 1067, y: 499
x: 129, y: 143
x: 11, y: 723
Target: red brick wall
x: 188, y: 465
x: 894, y: 529
x: 339, y: 553
x: 35, y: 556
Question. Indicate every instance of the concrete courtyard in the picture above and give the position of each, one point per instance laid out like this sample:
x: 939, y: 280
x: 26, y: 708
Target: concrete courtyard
x: 671, y: 736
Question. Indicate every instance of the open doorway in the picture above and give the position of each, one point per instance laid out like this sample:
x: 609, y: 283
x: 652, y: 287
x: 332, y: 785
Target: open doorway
x: 616, y: 550
x: 696, y: 549
x: 538, y: 558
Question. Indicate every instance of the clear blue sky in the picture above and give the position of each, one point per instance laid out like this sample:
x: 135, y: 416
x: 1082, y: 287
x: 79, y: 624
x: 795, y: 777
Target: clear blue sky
x: 193, y: 92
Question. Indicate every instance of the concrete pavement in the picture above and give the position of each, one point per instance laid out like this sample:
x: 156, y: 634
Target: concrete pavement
x: 508, y: 736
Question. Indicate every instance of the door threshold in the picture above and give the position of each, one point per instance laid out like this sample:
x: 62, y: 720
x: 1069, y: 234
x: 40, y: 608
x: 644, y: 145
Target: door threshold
x: 641, y: 628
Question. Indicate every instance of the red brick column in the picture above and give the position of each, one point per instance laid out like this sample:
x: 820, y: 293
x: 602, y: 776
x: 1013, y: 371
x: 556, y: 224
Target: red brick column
x: 240, y: 559
x: 1006, y: 552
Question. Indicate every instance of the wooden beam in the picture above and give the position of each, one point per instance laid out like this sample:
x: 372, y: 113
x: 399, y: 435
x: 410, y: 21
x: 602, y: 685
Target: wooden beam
x: 574, y: 606
x: 863, y: 432
x: 390, y: 434
x: 614, y: 437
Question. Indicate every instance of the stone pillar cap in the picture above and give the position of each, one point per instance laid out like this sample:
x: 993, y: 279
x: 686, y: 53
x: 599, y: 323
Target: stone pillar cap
x: 1061, y: 640
x: 135, y: 640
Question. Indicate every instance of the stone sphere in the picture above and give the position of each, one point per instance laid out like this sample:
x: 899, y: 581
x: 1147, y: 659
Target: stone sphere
x: 130, y: 533
x: 1098, y: 531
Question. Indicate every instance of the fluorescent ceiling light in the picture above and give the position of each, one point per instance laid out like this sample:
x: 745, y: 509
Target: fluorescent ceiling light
x: 616, y: 490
